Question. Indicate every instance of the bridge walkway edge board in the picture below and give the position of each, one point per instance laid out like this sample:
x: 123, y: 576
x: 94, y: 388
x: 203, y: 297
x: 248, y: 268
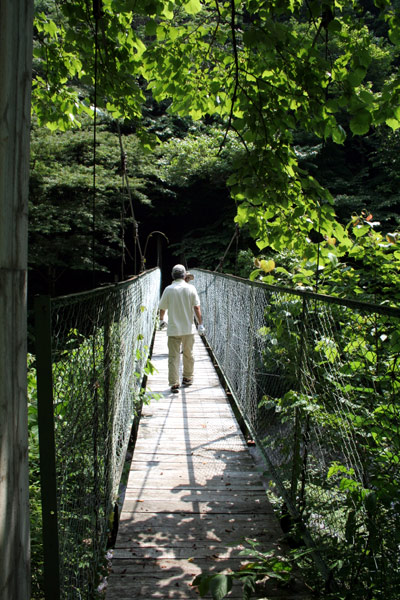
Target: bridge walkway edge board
x: 193, y: 494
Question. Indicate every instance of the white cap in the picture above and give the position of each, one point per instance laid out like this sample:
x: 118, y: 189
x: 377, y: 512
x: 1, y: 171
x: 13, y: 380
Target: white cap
x: 178, y: 272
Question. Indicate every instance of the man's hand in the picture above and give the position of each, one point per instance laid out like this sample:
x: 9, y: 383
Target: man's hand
x: 163, y: 324
x: 201, y: 330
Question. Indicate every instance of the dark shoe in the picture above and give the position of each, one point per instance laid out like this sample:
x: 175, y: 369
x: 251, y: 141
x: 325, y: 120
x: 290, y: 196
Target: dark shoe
x: 186, y: 382
x: 175, y: 388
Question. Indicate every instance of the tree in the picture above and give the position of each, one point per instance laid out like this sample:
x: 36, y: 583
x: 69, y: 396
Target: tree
x: 271, y: 70
x: 15, y: 74
x: 266, y: 70
x: 179, y: 189
x: 71, y: 228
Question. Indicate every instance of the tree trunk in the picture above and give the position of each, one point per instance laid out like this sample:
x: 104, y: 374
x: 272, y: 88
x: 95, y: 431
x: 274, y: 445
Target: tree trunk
x: 15, y: 88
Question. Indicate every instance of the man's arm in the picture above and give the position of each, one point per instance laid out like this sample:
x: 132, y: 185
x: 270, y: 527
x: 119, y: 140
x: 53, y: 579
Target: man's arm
x: 197, y: 312
x: 162, y: 314
x: 199, y: 319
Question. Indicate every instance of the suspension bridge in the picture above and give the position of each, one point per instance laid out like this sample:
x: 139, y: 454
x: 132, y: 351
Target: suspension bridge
x: 304, y: 376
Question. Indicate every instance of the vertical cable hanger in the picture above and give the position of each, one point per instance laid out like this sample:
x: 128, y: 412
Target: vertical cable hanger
x: 318, y: 249
x: 235, y: 236
x: 125, y: 178
x: 97, y: 8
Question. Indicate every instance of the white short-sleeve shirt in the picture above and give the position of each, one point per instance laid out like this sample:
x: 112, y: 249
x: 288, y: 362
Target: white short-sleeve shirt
x: 179, y: 299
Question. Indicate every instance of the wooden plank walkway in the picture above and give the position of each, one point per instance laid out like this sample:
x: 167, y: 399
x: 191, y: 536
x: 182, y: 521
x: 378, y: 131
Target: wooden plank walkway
x: 193, y: 494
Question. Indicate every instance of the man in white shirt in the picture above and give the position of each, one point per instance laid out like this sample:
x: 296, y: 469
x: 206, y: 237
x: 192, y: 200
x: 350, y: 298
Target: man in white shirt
x: 182, y: 302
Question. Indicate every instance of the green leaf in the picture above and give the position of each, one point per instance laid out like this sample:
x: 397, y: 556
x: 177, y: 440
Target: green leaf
x: 167, y: 11
x: 356, y: 76
x: 255, y: 274
x: 394, y: 35
x: 192, y: 7
x: 51, y: 28
x: 361, y: 122
x: 338, y: 134
x: 393, y: 123
x: 335, y: 26
x: 202, y: 582
x: 367, y: 97
x: 220, y: 586
x: 151, y: 27
x: 360, y: 230
x: 248, y: 587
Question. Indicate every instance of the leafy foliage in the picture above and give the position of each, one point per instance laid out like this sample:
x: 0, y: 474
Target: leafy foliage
x: 369, y: 269
x: 177, y: 188
x: 80, y: 60
x: 73, y: 207
x: 346, y: 398
x: 272, y: 70
x: 281, y: 77
x: 252, y: 575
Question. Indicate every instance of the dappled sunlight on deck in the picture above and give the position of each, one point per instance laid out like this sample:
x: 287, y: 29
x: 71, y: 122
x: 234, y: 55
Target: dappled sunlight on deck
x: 194, y: 492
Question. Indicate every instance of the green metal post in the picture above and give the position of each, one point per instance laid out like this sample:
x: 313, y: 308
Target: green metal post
x: 47, y: 447
x: 298, y: 420
x: 250, y: 399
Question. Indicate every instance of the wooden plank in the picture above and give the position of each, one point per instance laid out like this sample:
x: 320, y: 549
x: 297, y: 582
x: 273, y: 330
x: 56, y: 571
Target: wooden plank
x: 212, y: 551
x: 153, y: 567
x: 198, y: 443
x: 221, y: 508
x: 247, y: 497
x: 179, y: 537
x: 190, y: 423
x: 133, y: 588
x: 202, y: 456
x: 156, y: 522
x: 178, y: 481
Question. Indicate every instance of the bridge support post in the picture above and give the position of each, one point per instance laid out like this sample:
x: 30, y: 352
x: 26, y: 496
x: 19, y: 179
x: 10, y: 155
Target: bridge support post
x: 251, y: 398
x: 16, y: 18
x: 47, y: 447
x: 296, y: 469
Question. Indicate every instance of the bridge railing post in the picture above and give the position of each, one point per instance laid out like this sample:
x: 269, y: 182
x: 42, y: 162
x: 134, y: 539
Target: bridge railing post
x: 250, y: 400
x: 299, y: 413
x: 47, y: 447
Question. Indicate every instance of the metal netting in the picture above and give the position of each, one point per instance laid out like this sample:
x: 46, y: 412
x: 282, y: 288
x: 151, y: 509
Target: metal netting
x: 316, y: 380
x: 100, y: 344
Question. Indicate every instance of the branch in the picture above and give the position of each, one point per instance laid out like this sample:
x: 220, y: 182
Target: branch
x: 236, y: 85
x: 214, y: 35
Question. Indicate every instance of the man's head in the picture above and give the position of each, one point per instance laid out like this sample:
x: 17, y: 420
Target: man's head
x: 178, y: 272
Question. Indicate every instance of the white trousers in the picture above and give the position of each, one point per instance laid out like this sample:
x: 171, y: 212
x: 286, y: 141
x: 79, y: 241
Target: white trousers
x: 174, y: 353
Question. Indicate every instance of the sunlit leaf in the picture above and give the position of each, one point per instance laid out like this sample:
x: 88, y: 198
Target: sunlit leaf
x: 267, y: 265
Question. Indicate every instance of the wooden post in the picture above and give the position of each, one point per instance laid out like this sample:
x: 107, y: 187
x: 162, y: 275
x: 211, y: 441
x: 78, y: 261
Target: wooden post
x: 16, y: 17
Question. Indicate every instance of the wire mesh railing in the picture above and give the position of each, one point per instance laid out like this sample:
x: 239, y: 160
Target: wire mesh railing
x: 91, y: 352
x: 317, y: 381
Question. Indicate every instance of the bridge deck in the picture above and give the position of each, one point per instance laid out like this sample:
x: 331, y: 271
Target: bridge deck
x: 193, y: 492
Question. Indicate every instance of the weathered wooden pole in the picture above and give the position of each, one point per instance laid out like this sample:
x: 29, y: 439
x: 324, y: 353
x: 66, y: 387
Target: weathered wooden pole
x: 16, y: 18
